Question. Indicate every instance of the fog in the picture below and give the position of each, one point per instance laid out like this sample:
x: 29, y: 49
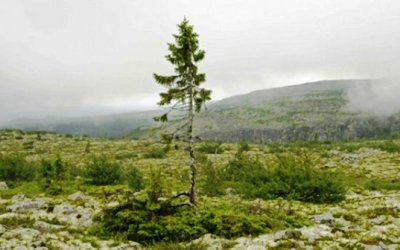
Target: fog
x: 82, y: 57
x: 378, y: 97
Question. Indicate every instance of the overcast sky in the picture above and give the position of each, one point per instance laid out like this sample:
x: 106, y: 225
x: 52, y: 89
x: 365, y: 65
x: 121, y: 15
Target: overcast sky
x: 79, y: 57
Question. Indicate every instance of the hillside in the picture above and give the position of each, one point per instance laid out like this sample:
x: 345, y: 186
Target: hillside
x: 312, y: 111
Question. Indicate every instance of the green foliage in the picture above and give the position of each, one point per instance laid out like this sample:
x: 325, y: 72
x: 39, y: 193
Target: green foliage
x: 388, y: 146
x: 53, y: 175
x: 213, y: 184
x: 243, y: 146
x: 291, y: 179
x: 155, y: 154
x: 135, y: 179
x: 103, y: 171
x: 163, y: 221
x: 15, y: 168
x: 125, y: 155
x: 211, y: 147
x: 155, y: 184
x: 379, y: 185
x: 185, y: 85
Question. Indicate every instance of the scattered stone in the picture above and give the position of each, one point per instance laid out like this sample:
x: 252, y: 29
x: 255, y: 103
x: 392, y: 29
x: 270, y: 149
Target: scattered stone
x: 378, y: 220
x: 75, y: 216
x: 17, y: 197
x: 64, y: 209
x: 24, y: 234
x: 8, y: 216
x: 26, y: 205
x: 3, y: 185
x: 46, y: 227
x: 112, y: 204
x: 326, y: 218
x: 330, y: 165
x: 77, y: 196
x: 316, y: 232
x: 2, y: 229
x: 379, y: 246
x: 213, y: 242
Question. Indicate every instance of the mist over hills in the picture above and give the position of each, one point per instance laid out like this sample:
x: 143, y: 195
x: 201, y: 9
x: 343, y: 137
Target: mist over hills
x: 323, y: 110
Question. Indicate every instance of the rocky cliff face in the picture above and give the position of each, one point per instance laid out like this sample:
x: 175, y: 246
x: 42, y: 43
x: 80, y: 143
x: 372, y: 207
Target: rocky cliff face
x: 318, y: 111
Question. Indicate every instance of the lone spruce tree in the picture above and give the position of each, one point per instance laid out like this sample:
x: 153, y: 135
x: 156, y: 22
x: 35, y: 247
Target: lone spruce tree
x: 183, y: 90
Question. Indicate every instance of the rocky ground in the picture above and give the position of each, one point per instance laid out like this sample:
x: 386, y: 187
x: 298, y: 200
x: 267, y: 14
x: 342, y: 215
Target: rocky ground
x: 365, y: 220
x: 48, y: 223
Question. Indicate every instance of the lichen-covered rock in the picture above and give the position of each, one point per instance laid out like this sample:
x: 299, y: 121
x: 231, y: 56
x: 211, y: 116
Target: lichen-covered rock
x: 3, y: 185
x: 316, y: 232
x: 2, y: 229
x: 24, y: 234
x: 26, y: 205
x: 213, y: 242
x: 77, y: 196
x: 326, y: 218
x: 76, y: 216
x: 46, y: 227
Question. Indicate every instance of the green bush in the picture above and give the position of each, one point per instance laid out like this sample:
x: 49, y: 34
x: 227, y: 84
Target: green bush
x: 53, y: 174
x: 291, y: 179
x: 211, y: 147
x: 155, y: 184
x: 212, y: 184
x: 147, y: 222
x: 388, y: 146
x: 380, y: 184
x: 155, y: 154
x: 102, y: 171
x: 243, y: 146
x: 15, y: 167
x: 166, y: 221
x: 135, y: 179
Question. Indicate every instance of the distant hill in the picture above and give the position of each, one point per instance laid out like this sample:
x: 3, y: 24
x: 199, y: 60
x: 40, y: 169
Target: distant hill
x: 322, y: 111
x: 111, y: 126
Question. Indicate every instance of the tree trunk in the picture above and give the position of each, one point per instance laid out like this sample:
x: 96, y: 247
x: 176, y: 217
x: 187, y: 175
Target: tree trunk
x: 192, y: 158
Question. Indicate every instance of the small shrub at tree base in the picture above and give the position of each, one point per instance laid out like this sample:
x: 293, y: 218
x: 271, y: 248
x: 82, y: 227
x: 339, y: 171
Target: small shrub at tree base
x: 155, y: 185
x: 102, y: 171
x: 135, y: 179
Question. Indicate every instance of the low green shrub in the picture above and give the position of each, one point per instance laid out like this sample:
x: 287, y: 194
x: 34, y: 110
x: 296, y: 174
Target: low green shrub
x: 291, y: 179
x: 134, y: 178
x: 15, y: 167
x: 53, y: 174
x: 379, y: 185
x: 125, y: 155
x: 155, y: 184
x: 243, y: 146
x: 388, y: 146
x: 102, y: 171
x: 148, y: 222
x: 212, y: 184
x: 211, y: 147
x: 155, y: 154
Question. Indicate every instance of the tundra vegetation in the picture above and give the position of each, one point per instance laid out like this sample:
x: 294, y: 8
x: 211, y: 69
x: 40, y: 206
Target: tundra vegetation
x: 302, y: 195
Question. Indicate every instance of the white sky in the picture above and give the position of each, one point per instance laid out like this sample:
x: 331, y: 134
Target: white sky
x: 79, y: 57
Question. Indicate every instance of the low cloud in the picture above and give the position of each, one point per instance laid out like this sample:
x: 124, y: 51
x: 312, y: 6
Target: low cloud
x: 378, y: 97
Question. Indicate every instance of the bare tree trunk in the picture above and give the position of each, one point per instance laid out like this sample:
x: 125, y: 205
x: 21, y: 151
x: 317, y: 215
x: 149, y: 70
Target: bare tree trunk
x: 192, y: 163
